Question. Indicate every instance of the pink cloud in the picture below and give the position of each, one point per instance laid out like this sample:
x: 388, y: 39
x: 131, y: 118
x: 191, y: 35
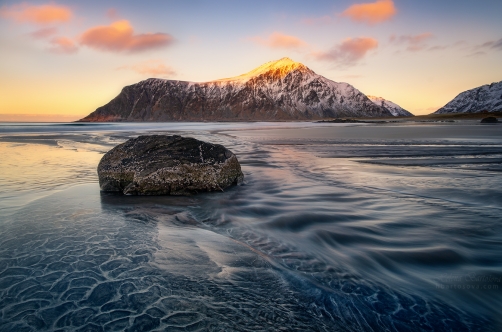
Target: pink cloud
x: 44, y: 33
x: 413, y: 42
x: 280, y: 40
x: 120, y: 37
x: 43, y: 14
x: 349, y: 52
x: 371, y: 13
x: 155, y: 68
x: 112, y: 13
x: 63, y: 45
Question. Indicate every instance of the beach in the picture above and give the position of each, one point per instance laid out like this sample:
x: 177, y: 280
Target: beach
x: 350, y: 227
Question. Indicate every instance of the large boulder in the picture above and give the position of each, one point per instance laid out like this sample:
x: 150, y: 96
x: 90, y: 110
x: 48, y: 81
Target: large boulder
x: 490, y: 119
x: 168, y: 165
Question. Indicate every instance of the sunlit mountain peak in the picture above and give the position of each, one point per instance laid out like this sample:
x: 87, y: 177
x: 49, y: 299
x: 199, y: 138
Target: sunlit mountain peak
x: 277, y: 68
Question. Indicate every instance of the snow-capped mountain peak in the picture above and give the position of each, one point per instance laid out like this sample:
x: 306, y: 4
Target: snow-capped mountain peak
x: 394, y: 108
x: 280, y: 68
x: 484, y: 98
x: 277, y: 90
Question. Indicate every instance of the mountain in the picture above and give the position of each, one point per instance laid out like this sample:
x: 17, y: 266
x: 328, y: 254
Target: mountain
x: 277, y: 90
x: 395, y: 109
x: 484, y: 98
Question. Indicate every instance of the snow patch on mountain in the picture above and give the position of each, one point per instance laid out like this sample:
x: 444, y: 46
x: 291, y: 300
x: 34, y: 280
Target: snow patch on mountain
x: 394, y: 108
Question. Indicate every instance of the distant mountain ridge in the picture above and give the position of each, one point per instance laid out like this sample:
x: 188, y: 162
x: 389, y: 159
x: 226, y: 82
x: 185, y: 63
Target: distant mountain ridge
x: 484, y: 98
x: 394, y: 108
x: 277, y: 90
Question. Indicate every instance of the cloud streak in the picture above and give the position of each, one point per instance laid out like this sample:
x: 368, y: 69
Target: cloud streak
x: 120, y: 37
x: 155, y: 68
x: 43, y: 14
x: 371, y: 13
x: 349, y: 52
x: 486, y: 47
x: 413, y: 43
x: 494, y: 44
x: 44, y: 33
x: 63, y: 45
x: 279, y: 40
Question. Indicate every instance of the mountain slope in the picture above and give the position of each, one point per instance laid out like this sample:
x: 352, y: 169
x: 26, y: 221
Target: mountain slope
x: 484, y: 98
x: 277, y: 90
x: 394, y: 108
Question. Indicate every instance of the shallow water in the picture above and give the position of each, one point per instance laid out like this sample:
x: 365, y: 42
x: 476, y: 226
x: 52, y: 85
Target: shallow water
x: 337, y: 227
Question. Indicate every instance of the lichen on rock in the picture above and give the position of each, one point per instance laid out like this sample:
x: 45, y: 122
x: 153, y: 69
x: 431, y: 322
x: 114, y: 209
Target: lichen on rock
x: 168, y: 165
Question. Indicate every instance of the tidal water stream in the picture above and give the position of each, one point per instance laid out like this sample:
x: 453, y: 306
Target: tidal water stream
x: 337, y: 227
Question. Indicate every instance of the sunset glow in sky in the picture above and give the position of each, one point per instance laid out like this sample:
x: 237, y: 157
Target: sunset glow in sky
x: 61, y: 60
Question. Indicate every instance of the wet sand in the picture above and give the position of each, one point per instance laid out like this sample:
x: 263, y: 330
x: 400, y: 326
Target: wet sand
x: 330, y: 231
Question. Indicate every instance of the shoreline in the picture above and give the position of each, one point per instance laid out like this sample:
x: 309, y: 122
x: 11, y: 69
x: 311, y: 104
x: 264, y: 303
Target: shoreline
x: 415, y: 118
x: 438, y: 117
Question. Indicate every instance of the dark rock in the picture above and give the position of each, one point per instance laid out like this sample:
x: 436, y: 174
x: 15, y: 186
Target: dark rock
x: 168, y: 165
x: 490, y: 119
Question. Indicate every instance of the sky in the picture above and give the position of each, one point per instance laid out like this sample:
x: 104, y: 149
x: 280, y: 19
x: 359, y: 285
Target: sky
x: 61, y: 60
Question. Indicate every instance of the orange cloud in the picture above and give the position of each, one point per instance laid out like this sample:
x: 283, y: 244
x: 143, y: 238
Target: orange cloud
x: 414, y: 42
x: 44, y: 33
x: 63, y: 45
x: 120, y: 37
x: 280, y: 40
x: 371, y: 13
x: 43, y: 14
x: 151, y: 68
x: 349, y: 52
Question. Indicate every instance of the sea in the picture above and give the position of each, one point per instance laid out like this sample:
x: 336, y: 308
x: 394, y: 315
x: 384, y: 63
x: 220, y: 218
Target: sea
x: 391, y: 226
